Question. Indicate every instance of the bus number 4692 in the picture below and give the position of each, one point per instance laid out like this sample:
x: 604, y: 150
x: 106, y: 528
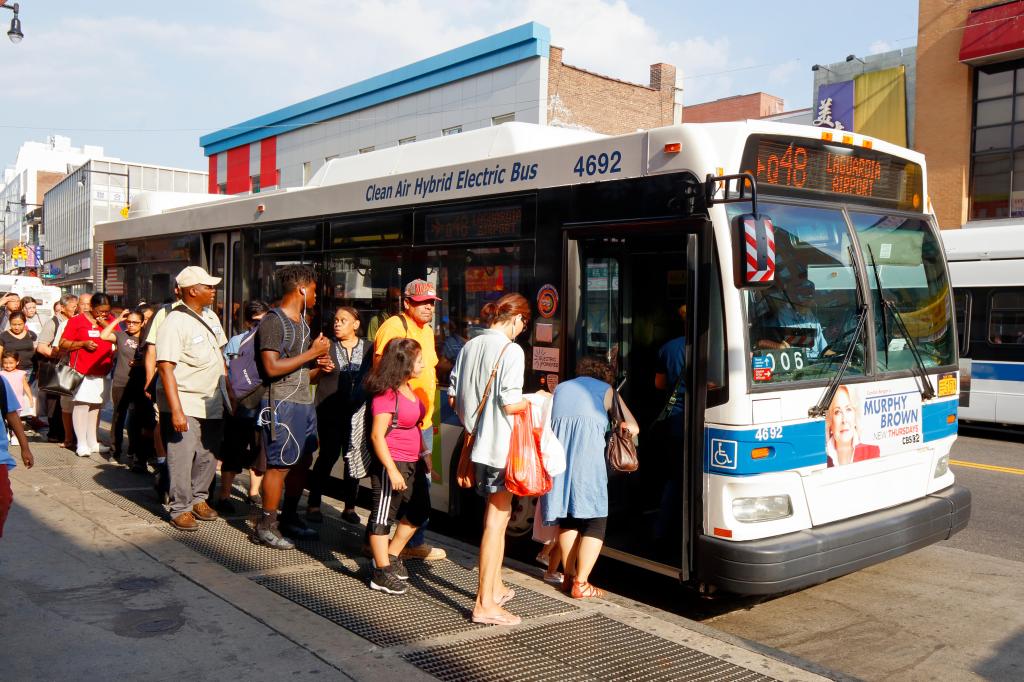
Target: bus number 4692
x: 598, y: 164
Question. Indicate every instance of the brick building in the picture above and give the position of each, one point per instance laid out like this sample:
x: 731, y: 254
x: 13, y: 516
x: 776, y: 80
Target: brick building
x: 970, y: 76
x: 735, y: 108
x: 516, y: 75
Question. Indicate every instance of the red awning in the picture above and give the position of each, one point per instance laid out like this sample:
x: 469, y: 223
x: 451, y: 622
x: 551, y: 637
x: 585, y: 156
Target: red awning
x: 994, y: 34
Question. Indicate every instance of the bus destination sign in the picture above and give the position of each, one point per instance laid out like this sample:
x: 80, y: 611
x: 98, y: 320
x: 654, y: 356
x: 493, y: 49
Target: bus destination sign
x: 807, y: 167
x: 486, y: 223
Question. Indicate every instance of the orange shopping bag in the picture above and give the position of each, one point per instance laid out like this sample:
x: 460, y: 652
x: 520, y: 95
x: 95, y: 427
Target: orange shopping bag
x: 525, y: 475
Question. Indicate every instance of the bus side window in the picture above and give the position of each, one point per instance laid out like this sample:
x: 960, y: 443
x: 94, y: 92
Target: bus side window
x: 1006, y: 319
x: 716, y: 367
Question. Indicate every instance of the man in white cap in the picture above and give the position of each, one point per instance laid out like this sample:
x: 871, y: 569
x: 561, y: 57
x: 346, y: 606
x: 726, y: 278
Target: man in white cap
x: 191, y: 396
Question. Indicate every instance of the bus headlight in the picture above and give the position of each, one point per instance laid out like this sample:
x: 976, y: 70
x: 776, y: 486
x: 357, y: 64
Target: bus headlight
x: 942, y: 466
x: 756, y: 509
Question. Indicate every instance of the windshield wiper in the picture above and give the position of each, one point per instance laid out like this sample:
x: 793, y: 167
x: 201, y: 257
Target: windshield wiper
x: 821, y: 407
x: 881, y: 298
x: 927, y: 392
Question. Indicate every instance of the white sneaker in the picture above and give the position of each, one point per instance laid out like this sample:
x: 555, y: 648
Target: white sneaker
x: 82, y: 454
x: 101, y: 450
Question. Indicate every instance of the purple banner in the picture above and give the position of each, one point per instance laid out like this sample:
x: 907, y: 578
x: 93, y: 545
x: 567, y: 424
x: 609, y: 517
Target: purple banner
x: 834, y: 106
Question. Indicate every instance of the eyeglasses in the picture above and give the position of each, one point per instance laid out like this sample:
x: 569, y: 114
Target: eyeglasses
x: 132, y: 322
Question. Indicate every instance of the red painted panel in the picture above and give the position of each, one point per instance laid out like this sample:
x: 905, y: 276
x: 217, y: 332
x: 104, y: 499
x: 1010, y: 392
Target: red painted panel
x: 212, y: 186
x: 994, y: 33
x: 268, y: 162
x: 238, y: 169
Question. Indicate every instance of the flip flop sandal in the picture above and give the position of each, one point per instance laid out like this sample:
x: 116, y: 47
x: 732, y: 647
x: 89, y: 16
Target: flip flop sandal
x: 553, y: 578
x: 500, y: 619
x: 507, y: 597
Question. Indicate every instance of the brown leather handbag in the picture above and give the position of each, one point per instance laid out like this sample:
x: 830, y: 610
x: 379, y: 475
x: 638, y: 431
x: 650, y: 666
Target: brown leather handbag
x: 464, y: 473
x: 621, y: 451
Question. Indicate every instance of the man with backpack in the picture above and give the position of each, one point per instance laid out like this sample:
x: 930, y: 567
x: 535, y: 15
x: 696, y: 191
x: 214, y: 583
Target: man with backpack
x: 191, y: 396
x: 287, y: 416
x: 241, y: 448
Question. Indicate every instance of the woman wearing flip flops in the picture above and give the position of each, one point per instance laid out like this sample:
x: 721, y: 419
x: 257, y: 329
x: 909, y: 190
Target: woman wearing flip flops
x: 578, y: 500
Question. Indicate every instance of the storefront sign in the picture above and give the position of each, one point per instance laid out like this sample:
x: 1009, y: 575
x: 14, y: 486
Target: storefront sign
x: 547, y: 301
x: 545, y: 359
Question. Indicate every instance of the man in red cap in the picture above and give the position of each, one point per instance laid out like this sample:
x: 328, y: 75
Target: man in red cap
x: 414, y: 323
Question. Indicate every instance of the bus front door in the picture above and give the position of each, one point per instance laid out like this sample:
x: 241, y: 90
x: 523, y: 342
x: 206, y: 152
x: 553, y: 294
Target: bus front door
x: 632, y: 292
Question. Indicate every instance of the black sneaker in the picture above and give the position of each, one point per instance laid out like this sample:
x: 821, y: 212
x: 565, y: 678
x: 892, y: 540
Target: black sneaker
x: 225, y: 507
x: 384, y: 580
x: 396, y: 567
x: 315, y: 516
x: 271, y: 537
x: 351, y: 516
x: 295, y: 528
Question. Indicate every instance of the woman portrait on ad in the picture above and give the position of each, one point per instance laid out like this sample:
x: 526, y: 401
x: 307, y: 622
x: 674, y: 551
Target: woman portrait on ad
x: 842, y: 431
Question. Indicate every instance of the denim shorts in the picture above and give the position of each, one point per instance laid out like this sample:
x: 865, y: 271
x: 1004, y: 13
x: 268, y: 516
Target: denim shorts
x: 294, y: 433
x: 488, y: 479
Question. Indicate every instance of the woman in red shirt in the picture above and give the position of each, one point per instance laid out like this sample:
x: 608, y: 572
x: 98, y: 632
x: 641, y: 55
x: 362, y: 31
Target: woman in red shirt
x: 92, y: 356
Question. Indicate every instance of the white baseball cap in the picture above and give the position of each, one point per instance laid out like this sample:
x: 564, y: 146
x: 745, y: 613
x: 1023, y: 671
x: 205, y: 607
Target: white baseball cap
x: 193, y: 275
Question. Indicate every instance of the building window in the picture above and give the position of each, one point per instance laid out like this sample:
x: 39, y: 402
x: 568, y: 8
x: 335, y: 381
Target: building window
x: 307, y: 171
x: 504, y: 118
x: 407, y: 140
x: 366, y: 150
x: 454, y: 130
x: 254, y: 184
x: 997, y: 146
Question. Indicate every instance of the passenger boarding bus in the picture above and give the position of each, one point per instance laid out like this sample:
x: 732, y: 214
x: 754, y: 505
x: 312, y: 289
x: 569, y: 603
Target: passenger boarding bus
x: 805, y: 301
x: 986, y: 267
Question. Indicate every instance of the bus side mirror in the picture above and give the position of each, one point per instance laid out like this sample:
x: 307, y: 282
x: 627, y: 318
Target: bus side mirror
x: 755, y: 250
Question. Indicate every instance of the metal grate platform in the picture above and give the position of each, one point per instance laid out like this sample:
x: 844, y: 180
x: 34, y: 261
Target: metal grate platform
x: 102, y: 477
x: 227, y: 541
x: 591, y: 648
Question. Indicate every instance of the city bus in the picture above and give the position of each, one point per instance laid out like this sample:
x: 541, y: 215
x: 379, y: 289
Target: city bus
x: 986, y: 268
x: 792, y: 275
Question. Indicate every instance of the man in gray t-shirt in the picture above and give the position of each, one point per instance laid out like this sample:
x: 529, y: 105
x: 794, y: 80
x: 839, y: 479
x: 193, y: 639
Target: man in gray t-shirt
x: 287, y: 416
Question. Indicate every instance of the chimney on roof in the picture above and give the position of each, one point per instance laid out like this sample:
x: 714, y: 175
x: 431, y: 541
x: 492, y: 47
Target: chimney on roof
x: 663, y: 76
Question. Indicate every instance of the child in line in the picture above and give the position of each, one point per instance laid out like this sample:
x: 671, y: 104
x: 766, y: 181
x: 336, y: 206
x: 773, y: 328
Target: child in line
x: 18, y: 379
x: 398, y: 477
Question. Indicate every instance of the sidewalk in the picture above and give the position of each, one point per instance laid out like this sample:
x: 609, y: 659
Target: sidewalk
x: 96, y: 585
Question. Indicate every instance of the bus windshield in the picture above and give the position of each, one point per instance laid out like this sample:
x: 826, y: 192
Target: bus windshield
x: 904, y: 264
x: 800, y: 327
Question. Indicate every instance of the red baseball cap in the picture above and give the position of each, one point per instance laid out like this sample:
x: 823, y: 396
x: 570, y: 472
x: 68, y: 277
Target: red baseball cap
x: 420, y: 290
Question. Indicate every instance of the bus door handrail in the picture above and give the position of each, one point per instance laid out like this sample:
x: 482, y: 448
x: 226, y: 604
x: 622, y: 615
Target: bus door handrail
x: 748, y: 182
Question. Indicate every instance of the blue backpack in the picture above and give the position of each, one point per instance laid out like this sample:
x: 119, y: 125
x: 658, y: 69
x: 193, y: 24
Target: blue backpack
x: 247, y: 383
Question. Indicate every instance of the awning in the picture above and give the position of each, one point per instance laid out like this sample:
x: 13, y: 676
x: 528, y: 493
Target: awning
x: 994, y: 34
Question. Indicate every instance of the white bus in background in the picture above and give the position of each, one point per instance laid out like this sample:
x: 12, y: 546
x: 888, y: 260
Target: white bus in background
x: 986, y: 268
x: 34, y: 287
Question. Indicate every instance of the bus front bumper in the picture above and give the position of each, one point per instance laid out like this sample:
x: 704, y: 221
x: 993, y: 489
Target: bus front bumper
x: 808, y: 557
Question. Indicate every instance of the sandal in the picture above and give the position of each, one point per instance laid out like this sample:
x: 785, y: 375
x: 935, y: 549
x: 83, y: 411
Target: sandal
x: 586, y: 591
x: 498, y: 619
x: 507, y: 597
x: 554, y: 578
x: 567, y: 583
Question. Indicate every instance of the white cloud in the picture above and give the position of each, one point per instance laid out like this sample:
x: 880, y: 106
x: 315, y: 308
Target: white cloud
x: 880, y: 46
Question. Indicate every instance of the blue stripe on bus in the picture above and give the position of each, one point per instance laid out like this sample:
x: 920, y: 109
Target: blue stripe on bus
x: 1002, y: 371
x: 728, y: 451
x: 935, y: 421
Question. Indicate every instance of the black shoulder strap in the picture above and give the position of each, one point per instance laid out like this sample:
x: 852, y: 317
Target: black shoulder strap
x: 188, y: 311
x: 405, y: 324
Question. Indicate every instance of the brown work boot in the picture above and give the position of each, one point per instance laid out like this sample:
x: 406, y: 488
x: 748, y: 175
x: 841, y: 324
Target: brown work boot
x: 204, y: 512
x: 185, y: 521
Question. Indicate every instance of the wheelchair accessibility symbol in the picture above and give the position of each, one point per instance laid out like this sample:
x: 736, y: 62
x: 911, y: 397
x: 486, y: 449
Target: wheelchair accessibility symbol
x: 723, y: 454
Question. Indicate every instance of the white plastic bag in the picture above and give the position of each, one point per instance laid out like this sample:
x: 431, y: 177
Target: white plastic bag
x: 551, y: 451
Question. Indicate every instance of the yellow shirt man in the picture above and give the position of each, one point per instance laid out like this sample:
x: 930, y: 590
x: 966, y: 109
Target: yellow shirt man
x: 414, y: 323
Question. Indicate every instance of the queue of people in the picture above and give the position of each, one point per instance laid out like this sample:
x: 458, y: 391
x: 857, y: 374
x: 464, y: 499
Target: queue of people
x: 166, y: 371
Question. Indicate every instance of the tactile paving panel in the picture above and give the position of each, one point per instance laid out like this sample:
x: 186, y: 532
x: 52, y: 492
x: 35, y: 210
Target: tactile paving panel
x: 228, y: 542
x: 384, y: 619
x: 456, y: 586
x: 101, y: 477
x: 47, y: 457
x: 590, y: 648
x: 141, y: 503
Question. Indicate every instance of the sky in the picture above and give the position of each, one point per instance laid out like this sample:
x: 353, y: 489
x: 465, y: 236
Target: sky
x: 144, y: 79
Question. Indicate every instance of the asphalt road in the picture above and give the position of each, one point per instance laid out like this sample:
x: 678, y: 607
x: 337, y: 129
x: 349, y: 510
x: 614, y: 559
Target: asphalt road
x: 951, y: 611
